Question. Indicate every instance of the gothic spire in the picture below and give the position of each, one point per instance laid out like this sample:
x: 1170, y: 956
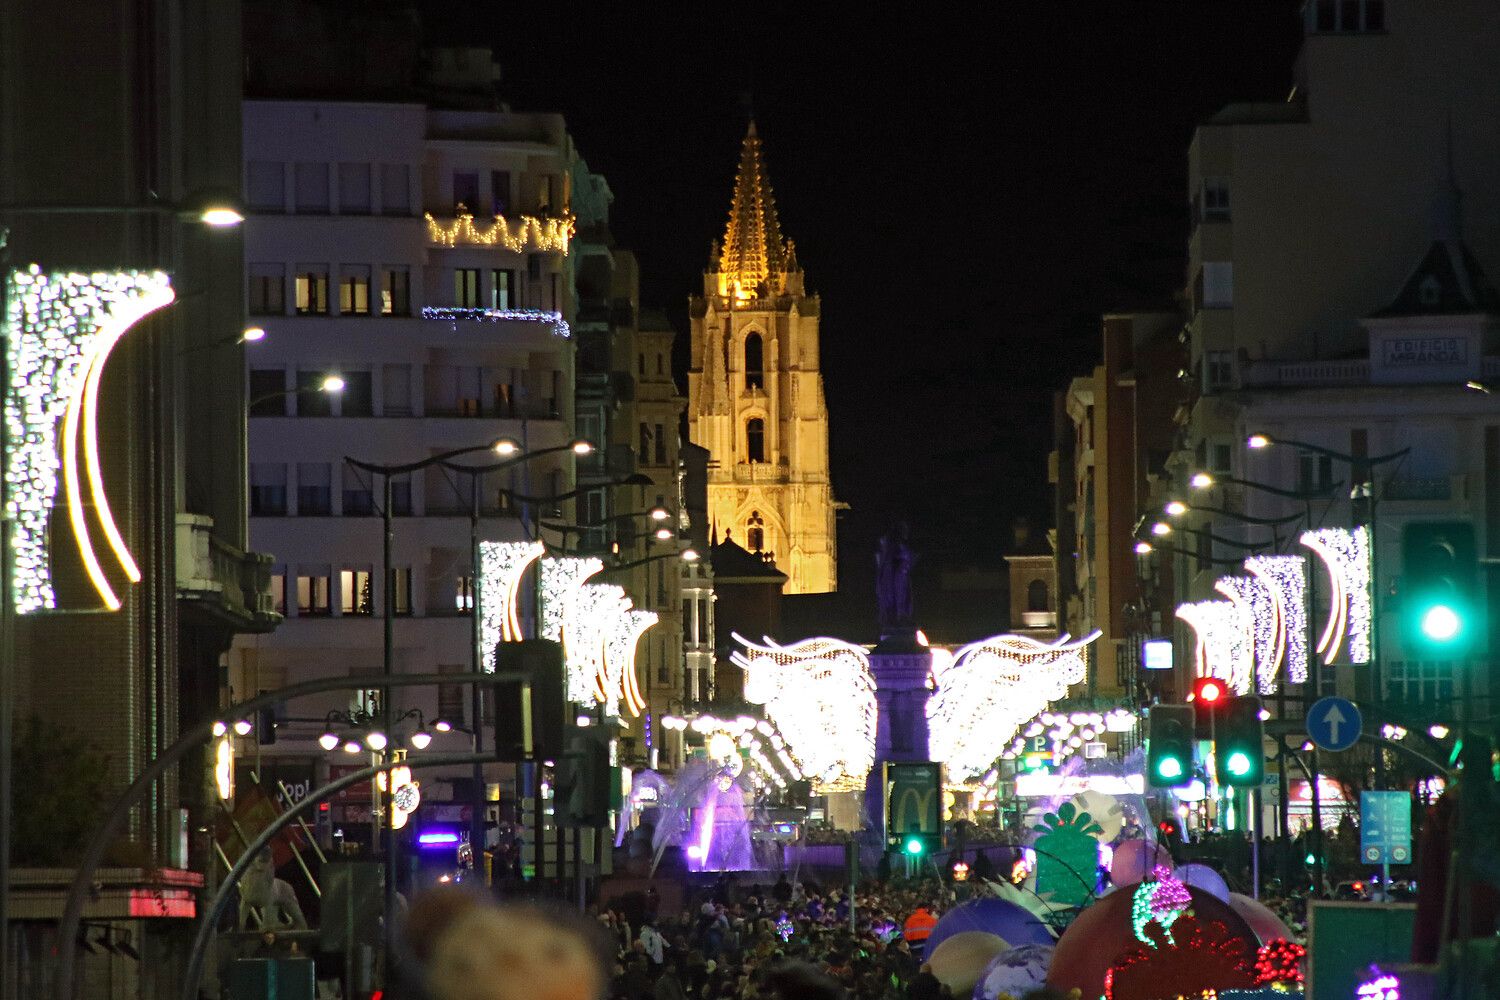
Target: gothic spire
x: 753, y: 252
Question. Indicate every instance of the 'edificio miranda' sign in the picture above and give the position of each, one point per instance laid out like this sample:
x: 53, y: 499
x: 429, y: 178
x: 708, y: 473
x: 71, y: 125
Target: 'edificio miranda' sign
x: 1425, y: 351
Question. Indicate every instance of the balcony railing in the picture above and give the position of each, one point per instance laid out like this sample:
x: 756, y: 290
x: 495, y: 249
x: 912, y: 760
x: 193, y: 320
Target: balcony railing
x: 232, y: 584
x: 1350, y: 371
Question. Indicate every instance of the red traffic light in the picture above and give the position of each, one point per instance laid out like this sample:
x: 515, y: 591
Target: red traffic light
x: 1208, y: 690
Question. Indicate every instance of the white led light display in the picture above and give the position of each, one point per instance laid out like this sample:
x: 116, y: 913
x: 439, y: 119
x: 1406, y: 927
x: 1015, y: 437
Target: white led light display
x: 60, y: 329
x: 1286, y: 577
x: 594, y: 617
x: 562, y: 580
x: 821, y: 696
x: 619, y: 656
x: 1346, y: 554
x: 501, y: 567
x: 990, y: 689
x: 1223, y: 650
x: 555, y: 320
x: 1256, y: 606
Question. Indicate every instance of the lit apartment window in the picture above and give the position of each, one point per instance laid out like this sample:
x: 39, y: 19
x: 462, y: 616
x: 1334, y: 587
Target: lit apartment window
x: 313, y: 490
x: 313, y: 591
x: 395, y: 291
x: 268, y: 489
x: 267, y: 293
x: 311, y: 180
x: 354, y: 188
x: 502, y: 289
x: 463, y: 593
x: 312, y: 289
x: 278, y: 589
x: 356, y: 591
x: 354, y: 289
x: 466, y: 287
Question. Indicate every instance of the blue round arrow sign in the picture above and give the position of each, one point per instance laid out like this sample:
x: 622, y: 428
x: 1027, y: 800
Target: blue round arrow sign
x: 1334, y: 723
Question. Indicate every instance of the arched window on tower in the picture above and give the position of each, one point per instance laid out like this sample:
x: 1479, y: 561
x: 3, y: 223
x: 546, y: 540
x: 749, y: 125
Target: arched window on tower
x: 755, y: 440
x: 1036, y: 596
x: 755, y: 373
x: 755, y: 532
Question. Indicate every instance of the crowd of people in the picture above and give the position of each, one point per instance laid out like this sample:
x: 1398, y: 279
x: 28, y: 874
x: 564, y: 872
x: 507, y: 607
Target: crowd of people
x: 785, y: 940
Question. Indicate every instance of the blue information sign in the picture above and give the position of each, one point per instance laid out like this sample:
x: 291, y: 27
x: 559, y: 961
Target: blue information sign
x: 1334, y: 723
x: 1385, y: 827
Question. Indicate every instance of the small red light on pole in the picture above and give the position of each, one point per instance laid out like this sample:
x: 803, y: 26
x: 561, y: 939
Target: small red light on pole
x: 1208, y: 690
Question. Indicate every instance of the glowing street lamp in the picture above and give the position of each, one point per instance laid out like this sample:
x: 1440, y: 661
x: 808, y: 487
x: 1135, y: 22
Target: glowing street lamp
x: 1175, y: 508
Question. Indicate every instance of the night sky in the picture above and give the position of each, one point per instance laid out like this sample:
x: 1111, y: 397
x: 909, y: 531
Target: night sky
x: 968, y: 193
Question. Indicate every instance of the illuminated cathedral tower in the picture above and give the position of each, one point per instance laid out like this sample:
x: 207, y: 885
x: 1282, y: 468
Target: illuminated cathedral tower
x: 755, y: 393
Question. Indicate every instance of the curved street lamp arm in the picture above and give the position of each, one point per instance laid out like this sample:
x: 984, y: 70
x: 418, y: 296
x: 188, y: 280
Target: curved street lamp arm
x: 1174, y: 550
x: 114, y: 819
x: 475, y: 470
x: 1246, y: 518
x: 637, y: 563
x: 1319, y: 494
x: 210, y: 918
x: 441, y: 457
x: 1318, y: 449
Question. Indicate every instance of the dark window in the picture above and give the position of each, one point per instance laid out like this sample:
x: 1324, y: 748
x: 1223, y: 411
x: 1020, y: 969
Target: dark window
x: 1036, y: 595
x: 755, y: 440
x: 267, y: 289
x: 640, y: 364
x: 396, y: 381
x: 755, y: 376
x: 1215, y: 199
x: 395, y: 189
x: 466, y: 287
x: 500, y: 191
x: 314, y: 497
x: 1327, y: 15
x: 1222, y: 457
x: 401, y: 496
x: 465, y: 191
x: 645, y: 449
x: 354, y: 188
x: 268, y: 489
x: 267, y: 392
x: 402, y: 575
x: 312, y: 400
x: 502, y: 289
x: 354, y: 289
x: 265, y: 186
x: 755, y: 532
x: 1314, y: 472
x: 357, y: 398
x: 395, y: 292
x: 1374, y: 15
x: 312, y: 188
x: 661, y: 446
x: 534, y: 267
x: 451, y: 697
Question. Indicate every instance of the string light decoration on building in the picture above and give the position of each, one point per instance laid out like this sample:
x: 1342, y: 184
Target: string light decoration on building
x: 453, y: 314
x: 1256, y: 606
x: 526, y: 232
x: 1345, y: 553
x: 990, y: 689
x: 1381, y: 987
x: 562, y: 580
x: 1279, y: 961
x: 591, y: 621
x: 754, y: 735
x: 1221, y: 649
x: 619, y: 656
x: 1286, y: 576
x: 821, y: 695
x: 60, y: 329
x: 501, y: 567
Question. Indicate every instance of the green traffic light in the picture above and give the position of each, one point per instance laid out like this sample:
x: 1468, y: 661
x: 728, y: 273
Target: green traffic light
x: 914, y: 846
x: 1238, y: 764
x: 1440, y: 623
x: 1169, y: 768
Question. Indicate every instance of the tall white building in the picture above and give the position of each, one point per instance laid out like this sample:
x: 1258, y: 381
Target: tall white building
x: 423, y: 257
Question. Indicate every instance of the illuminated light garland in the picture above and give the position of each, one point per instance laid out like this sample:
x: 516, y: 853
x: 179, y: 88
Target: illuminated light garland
x: 531, y: 232
x: 991, y: 688
x: 60, y: 330
x: 619, y: 655
x: 1346, y: 554
x: 1222, y: 650
x: 1286, y: 576
x: 592, y: 619
x: 821, y: 696
x: 559, y: 325
x: 1256, y: 606
x: 1279, y: 961
x: 501, y: 567
x: 1383, y: 987
x: 562, y: 580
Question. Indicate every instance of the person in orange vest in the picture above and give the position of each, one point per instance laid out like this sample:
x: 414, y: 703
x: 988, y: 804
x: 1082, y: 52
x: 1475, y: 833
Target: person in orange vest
x: 918, y: 926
